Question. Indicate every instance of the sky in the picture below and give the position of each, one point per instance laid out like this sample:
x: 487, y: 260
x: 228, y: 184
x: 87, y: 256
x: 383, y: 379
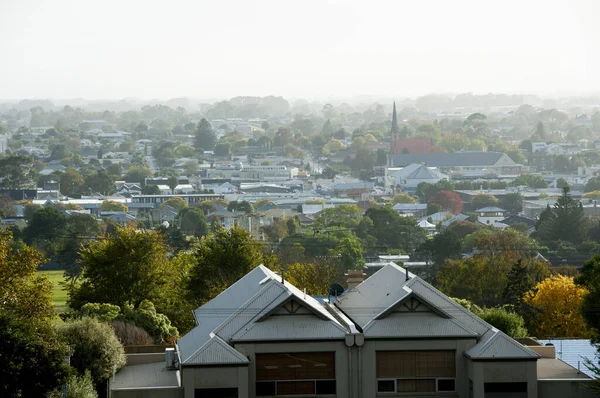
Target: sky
x: 312, y: 49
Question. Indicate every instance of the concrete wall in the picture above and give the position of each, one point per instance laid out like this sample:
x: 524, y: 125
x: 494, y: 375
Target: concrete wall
x: 369, y: 365
x: 139, y: 359
x: 215, y: 377
x: 481, y: 372
x: 341, y: 360
x: 548, y: 388
x: 173, y: 392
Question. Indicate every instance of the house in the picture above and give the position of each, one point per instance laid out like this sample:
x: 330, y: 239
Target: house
x: 450, y: 221
x: 417, y: 210
x: 490, y: 215
x: 393, y: 334
x: 409, y: 177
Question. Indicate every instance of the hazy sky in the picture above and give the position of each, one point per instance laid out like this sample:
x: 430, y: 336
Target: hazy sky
x: 301, y: 48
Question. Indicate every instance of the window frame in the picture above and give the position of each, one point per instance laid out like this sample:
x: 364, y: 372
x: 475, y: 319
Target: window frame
x: 396, y: 392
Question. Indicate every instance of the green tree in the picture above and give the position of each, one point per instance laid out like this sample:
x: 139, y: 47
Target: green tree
x: 590, y: 279
x: 94, y: 347
x: 364, y: 160
x: 71, y: 182
x: 175, y: 202
x: 100, y: 181
x: 17, y: 172
x: 342, y: 216
x: 81, y: 386
x: 193, y: 221
x: 593, y: 184
x: 33, y: 358
x: 512, y: 202
x: 111, y: 205
x: 241, y: 206
x: 561, y: 183
x: 483, y: 200
x: 425, y: 190
x: 220, y: 260
x: 391, y: 231
x: 172, y: 182
x: 146, y: 317
x: 564, y: 221
x: 562, y: 164
x: 349, y: 253
x: 530, y: 180
x: 381, y: 157
x: 223, y: 149
x: 403, y: 198
x: 137, y: 173
x: 205, y: 136
x: 129, y: 266
x: 505, y: 320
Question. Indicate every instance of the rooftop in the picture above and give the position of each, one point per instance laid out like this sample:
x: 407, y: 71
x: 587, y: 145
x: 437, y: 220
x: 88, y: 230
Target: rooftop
x: 145, y: 375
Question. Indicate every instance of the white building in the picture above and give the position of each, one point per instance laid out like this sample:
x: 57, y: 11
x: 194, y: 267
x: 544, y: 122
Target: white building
x: 490, y: 215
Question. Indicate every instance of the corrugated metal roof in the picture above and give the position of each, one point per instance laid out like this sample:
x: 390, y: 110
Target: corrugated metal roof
x: 456, y: 159
x: 297, y: 327
x: 216, y: 352
x: 416, y: 325
x: 212, y: 314
x: 374, y: 295
x: 497, y: 345
x: 272, y: 294
x: 574, y: 352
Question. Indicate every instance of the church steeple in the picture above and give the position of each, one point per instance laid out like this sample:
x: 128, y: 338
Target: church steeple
x: 395, y: 130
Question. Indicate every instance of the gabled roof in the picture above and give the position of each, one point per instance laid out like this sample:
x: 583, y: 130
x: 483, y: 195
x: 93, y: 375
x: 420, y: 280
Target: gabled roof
x: 497, y: 345
x: 247, y: 311
x: 456, y: 159
x: 370, y: 305
x: 217, y: 352
x: 490, y: 209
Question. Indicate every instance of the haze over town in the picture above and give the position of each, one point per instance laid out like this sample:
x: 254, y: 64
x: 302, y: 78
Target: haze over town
x: 241, y: 199
x: 309, y: 49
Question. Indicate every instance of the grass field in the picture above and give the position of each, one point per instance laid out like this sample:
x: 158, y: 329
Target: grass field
x: 59, y: 296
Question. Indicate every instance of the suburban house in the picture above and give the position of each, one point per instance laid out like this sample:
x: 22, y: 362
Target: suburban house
x: 416, y: 210
x: 390, y: 335
x: 490, y: 215
x: 409, y: 177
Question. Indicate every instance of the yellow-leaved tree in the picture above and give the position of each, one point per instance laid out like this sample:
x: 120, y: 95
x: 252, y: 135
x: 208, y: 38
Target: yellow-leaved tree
x: 557, y: 303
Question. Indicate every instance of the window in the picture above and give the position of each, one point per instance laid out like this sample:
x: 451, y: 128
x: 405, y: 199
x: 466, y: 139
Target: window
x: 295, y: 374
x: 416, y: 371
x: 504, y: 387
x: 216, y: 393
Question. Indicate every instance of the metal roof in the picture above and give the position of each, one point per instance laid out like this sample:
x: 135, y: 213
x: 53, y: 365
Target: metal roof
x: 217, y: 352
x: 416, y: 325
x: 574, y: 352
x: 456, y: 159
x: 496, y: 345
x: 245, y: 311
x: 298, y: 327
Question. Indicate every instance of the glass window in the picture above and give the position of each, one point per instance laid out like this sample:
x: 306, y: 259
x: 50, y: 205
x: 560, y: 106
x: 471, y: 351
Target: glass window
x: 326, y: 387
x: 446, y: 385
x: 386, y: 386
x: 265, y: 388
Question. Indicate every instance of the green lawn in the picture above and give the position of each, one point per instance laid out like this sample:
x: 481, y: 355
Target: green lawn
x: 59, y: 295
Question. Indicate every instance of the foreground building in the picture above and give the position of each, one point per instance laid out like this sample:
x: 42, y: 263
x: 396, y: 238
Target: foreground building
x: 391, y: 335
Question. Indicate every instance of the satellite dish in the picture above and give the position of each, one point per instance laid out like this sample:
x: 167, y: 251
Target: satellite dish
x: 335, y: 289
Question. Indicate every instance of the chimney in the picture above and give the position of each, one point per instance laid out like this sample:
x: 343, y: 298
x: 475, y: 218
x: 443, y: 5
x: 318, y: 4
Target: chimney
x: 354, y: 277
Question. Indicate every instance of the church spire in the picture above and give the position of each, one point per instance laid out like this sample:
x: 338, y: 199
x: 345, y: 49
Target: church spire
x: 395, y: 130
